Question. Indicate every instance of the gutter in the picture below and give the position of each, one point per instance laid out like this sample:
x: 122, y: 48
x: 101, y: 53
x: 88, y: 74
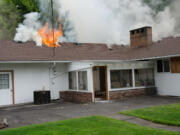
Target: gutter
x: 131, y: 60
x: 14, y: 62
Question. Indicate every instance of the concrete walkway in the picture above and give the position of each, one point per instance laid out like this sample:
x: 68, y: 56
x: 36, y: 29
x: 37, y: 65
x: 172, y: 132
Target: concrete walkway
x: 144, y: 122
x: 31, y: 114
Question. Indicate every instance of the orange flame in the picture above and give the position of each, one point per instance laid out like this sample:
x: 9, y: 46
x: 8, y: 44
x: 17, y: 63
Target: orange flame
x: 47, y: 35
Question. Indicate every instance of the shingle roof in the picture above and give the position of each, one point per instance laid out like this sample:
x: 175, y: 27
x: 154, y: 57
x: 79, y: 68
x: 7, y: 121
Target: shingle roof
x: 13, y: 51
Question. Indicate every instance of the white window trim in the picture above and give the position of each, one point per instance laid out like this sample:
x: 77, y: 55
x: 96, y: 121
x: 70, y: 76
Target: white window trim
x: 77, y: 81
x: 132, y: 88
x: 124, y: 88
x: 133, y: 79
x: 10, y: 80
x: 163, y: 66
x: 143, y: 86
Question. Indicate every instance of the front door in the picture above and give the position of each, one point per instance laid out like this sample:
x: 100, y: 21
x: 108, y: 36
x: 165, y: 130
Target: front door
x: 6, y: 92
x: 100, y: 83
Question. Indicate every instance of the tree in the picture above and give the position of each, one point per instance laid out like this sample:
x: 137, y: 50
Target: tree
x: 9, y: 18
x: 12, y: 13
x: 25, y: 6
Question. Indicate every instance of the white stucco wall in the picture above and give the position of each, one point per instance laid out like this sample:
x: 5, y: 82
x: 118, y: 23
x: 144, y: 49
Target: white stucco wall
x: 32, y: 77
x: 167, y: 84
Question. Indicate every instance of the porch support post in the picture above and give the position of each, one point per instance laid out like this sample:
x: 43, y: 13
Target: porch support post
x: 133, y: 78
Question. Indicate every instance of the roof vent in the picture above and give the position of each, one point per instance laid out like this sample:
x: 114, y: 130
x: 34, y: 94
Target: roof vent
x: 110, y: 46
x: 76, y: 43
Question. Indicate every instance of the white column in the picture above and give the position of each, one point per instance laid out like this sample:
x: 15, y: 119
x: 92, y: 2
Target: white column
x: 133, y: 78
x: 77, y: 79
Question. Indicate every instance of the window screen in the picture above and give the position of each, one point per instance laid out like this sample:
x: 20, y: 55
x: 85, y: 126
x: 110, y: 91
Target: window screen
x: 4, y: 81
x: 144, y: 77
x: 82, y: 80
x: 72, y: 81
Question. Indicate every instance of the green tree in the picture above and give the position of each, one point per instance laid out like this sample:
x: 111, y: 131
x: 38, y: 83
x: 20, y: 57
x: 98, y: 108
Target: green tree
x: 25, y: 6
x: 9, y: 18
x: 12, y: 13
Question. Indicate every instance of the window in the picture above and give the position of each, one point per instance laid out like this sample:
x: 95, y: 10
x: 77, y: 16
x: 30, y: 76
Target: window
x: 121, y: 78
x: 160, y: 66
x: 144, y: 77
x: 4, y: 81
x: 82, y: 80
x: 166, y: 66
x: 78, y: 79
x: 72, y: 81
x: 163, y: 66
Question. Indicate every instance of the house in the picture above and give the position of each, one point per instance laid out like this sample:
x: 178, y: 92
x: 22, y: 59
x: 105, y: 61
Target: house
x: 84, y: 72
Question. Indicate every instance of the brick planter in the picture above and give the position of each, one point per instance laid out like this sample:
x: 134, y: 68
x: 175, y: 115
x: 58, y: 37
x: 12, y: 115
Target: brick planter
x: 115, y: 95
x: 78, y: 97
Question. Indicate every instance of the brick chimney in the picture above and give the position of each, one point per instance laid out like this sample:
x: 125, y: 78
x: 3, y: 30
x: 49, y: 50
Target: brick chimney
x: 141, y: 37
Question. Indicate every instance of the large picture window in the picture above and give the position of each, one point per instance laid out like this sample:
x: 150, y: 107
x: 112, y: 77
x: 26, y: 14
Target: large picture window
x: 144, y: 77
x: 82, y: 80
x: 4, y: 81
x: 72, y: 81
x: 121, y: 78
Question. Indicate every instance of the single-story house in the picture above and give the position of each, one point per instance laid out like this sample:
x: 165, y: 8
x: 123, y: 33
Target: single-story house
x: 86, y: 72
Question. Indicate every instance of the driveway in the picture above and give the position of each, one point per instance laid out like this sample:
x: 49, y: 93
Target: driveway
x: 33, y: 114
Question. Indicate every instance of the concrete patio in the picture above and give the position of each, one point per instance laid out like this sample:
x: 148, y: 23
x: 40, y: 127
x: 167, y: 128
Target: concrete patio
x: 35, y: 114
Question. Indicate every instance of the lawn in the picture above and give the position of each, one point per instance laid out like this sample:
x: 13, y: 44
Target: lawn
x: 167, y: 114
x: 95, y: 125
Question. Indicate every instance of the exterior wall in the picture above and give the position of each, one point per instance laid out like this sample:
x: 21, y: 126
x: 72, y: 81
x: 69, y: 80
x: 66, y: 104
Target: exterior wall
x: 167, y: 83
x: 32, y: 77
x: 74, y: 96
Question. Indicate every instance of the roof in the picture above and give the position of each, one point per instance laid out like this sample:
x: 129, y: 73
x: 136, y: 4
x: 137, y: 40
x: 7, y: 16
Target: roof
x: 13, y: 51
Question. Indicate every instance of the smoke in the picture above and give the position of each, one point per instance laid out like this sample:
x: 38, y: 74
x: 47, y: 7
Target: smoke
x: 27, y: 31
x: 106, y: 21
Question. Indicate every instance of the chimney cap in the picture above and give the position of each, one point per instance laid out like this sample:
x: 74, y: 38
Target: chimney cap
x: 141, y: 28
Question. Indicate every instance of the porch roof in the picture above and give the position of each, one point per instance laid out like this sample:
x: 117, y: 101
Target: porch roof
x: 13, y: 51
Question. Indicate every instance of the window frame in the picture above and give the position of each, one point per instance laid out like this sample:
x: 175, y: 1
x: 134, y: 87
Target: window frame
x: 144, y: 85
x: 86, y: 79
x: 77, y: 81
x: 10, y: 80
x: 163, y: 67
x: 122, y: 88
x: 69, y: 81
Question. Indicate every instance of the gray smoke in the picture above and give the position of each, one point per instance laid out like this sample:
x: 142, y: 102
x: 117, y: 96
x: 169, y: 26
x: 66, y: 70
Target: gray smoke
x: 109, y: 21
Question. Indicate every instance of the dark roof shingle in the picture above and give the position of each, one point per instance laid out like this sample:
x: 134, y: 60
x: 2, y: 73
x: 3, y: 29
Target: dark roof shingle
x: 13, y: 51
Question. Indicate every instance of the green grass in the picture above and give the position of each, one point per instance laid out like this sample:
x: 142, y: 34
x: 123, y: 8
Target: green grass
x: 95, y: 125
x: 167, y: 114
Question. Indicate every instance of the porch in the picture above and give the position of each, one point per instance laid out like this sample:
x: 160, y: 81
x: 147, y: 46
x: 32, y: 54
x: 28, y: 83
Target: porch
x: 91, y: 82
